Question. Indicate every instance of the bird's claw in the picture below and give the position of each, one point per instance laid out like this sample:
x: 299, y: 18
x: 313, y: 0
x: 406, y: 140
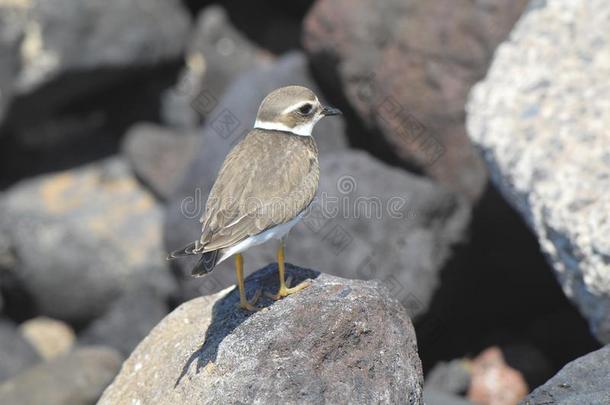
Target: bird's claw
x: 285, y: 291
x: 250, y: 305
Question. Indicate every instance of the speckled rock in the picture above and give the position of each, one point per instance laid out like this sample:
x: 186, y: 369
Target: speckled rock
x: 77, y: 378
x: 80, y: 237
x: 541, y: 119
x: 406, y: 67
x: 50, y: 337
x: 338, y: 341
x: 583, y: 381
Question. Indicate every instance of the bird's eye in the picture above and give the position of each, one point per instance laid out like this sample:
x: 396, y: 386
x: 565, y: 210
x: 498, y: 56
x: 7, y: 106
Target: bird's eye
x: 305, y: 109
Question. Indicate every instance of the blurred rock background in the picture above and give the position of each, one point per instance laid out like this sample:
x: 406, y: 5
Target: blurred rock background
x: 494, y: 203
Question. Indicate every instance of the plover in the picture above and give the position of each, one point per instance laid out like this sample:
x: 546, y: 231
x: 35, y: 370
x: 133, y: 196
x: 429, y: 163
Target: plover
x: 263, y: 188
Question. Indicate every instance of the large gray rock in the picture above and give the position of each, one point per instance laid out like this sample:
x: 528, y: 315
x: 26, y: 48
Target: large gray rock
x: 77, y: 378
x: 216, y: 53
x: 540, y: 119
x: 160, y: 156
x: 66, y: 36
x: 338, y: 341
x: 583, y: 381
x: 81, y: 237
x: 368, y: 221
x: 16, y: 353
x: 127, y: 321
x: 56, y: 51
x: 406, y: 67
x: 232, y: 118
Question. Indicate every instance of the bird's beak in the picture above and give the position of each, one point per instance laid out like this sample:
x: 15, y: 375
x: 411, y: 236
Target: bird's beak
x: 326, y: 111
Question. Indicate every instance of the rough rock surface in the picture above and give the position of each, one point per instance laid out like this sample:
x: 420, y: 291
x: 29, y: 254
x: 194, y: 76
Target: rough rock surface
x: 217, y: 52
x: 406, y: 68
x: 50, y: 337
x: 541, y: 118
x: 231, y: 119
x: 93, y: 227
x: 16, y: 353
x: 368, y: 221
x: 338, y: 341
x: 583, y: 381
x: 159, y: 156
x: 76, y: 378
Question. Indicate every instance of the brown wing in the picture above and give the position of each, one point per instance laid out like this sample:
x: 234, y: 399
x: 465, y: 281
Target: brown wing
x: 266, y: 180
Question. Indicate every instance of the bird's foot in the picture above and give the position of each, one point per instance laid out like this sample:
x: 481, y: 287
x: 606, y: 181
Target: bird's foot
x: 250, y: 305
x: 285, y: 291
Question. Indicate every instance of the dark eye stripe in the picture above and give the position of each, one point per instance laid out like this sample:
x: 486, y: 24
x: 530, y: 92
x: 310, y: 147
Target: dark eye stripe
x: 305, y: 109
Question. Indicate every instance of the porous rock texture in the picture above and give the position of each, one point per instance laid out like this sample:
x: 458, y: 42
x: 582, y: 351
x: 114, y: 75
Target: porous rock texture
x: 337, y: 341
x: 541, y: 119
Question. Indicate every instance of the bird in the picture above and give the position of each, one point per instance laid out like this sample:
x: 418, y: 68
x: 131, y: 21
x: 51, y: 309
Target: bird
x: 263, y: 188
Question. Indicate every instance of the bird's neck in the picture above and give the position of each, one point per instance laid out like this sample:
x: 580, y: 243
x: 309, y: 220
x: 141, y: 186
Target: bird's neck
x: 301, y: 130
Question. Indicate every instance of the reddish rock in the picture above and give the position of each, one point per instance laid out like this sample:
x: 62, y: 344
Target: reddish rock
x: 406, y: 67
x: 494, y: 382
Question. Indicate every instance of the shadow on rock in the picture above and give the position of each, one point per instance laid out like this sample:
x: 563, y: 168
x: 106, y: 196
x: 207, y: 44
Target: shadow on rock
x: 227, y: 316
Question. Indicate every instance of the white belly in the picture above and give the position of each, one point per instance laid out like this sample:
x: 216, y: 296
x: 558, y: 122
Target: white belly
x: 277, y: 232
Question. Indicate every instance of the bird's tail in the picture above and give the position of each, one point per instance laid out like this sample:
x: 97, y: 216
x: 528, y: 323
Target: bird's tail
x: 188, y: 250
x: 206, y: 263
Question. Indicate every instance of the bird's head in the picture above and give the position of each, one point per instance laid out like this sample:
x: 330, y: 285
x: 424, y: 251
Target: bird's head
x: 294, y: 109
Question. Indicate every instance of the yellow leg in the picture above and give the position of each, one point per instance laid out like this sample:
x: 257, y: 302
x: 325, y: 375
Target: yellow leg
x: 243, y: 301
x: 284, y: 291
